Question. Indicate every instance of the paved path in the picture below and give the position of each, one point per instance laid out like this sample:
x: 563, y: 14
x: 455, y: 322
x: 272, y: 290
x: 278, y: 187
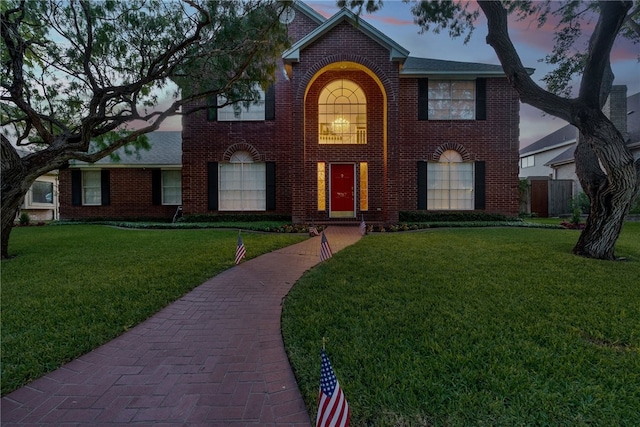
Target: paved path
x: 213, y: 358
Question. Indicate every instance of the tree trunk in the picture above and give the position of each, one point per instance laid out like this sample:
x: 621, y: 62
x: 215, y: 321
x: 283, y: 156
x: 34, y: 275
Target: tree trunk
x: 15, y: 184
x: 611, y: 191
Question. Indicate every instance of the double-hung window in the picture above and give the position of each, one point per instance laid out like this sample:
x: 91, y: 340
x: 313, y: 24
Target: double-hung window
x: 452, y: 99
x: 242, y: 184
x: 91, y: 188
x: 450, y: 183
x: 261, y: 108
x: 171, y: 187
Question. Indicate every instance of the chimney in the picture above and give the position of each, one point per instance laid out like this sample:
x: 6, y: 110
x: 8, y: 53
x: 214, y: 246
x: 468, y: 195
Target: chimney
x: 616, y: 108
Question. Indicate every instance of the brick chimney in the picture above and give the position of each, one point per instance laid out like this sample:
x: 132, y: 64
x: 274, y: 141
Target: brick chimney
x: 616, y: 108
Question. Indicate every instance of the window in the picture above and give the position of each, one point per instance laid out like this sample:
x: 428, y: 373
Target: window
x: 242, y: 184
x: 364, y: 186
x: 450, y: 183
x: 240, y: 112
x: 452, y: 99
x: 322, y: 200
x: 342, y: 114
x: 42, y: 193
x: 91, y: 188
x: 527, y: 162
x: 171, y: 187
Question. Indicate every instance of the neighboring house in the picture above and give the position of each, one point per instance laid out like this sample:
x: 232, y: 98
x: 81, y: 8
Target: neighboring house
x: 551, y: 157
x: 356, y: 128
x: 147, y: 185
x: 41, y: 201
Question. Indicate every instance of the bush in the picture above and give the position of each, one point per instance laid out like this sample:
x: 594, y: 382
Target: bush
x: 421, y: 216
x: 580, y: 202
x: 234, y: 218
x: 24, y: 219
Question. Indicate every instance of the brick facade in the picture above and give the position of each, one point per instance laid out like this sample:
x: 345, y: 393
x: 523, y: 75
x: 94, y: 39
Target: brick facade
x: 130, y: 198
x: 397, y: 141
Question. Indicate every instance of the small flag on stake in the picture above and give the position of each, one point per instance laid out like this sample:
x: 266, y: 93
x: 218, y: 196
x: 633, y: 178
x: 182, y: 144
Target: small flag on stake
x: 333, y: 409
x: 325, y: 249
x: 241, y: 251
x: 313, y: 231
x: 363, y: 227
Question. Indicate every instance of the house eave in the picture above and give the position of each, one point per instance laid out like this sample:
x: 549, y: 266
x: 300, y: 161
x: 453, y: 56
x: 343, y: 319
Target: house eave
x: 82, y: 165
x: 548, y: 148
x: 450, y: 74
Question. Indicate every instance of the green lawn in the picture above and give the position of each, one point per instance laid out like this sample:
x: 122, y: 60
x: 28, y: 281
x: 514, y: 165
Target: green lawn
x: 462, y: 327
x: 72, y: 288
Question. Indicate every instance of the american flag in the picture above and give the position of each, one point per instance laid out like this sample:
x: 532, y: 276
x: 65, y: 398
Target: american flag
x: 363, y: 227
x: 325, y: 249
x: 313, y: 231
x: 241, y: 251
x: 333, y: 409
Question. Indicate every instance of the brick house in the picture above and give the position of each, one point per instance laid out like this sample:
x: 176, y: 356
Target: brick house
x: 355, y: 127
x: 145, y: 185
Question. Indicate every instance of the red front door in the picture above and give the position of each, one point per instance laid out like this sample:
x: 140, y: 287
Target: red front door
x: 342, y: 191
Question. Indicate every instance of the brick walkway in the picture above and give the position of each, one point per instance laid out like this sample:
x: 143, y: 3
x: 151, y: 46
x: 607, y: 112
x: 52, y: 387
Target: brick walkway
x: 213, y: 358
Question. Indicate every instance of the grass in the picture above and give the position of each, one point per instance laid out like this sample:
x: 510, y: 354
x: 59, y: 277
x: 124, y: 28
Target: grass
x: 72, y: 288
x: 458, y: 327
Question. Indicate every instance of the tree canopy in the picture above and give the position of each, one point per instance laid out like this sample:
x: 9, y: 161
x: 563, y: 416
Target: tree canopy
x: 77, y: 73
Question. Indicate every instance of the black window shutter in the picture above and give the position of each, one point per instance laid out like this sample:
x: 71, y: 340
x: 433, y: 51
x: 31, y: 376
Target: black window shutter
x: 271, y: 185
x: 422, y: 185
x: 423, y: 99
x: 156, y: 186
x: 212, y: 111
x: 212, y: 185
x: 481, y: 99
x: 270, y: 103
x: 479, y: 180
x: 76, y: 187
x: 105, y: 187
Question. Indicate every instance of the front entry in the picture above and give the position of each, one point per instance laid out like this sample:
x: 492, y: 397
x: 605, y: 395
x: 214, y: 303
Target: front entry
x: 342, y: 187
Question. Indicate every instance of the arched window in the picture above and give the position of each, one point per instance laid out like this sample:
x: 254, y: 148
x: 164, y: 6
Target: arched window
x: 342, y: 113
x: 450, y: 183
x: 242, y: 184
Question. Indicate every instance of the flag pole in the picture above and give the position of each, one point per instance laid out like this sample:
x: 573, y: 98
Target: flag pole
x: 323, y: 342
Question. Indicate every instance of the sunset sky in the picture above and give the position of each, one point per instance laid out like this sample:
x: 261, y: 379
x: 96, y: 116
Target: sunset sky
x: 396, y: 21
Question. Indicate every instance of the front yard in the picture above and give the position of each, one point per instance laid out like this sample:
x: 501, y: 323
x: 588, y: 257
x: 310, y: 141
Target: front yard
x: 461, y: 326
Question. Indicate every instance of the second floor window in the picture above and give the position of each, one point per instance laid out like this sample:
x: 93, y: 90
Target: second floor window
x: 342, y: 113
x: 452, y: 99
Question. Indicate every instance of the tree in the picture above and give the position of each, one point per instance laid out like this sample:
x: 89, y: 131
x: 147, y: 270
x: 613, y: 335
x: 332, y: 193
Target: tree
x: 81, y: 79
x: 604, y: 165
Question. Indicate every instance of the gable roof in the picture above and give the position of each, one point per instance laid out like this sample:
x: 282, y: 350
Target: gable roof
x: 567, y: 134
x: 396, y: 52
x: 165, y: 151
x: 633, y: 133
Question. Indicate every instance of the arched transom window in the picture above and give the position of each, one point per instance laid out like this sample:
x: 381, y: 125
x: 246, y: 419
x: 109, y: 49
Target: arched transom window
x: 450, y: 183
x: 342, y: 113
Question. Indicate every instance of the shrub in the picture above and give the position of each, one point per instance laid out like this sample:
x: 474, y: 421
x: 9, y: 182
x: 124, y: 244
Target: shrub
x: 234, y: 218
x: 24, y: 219
x: 421, y: 216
